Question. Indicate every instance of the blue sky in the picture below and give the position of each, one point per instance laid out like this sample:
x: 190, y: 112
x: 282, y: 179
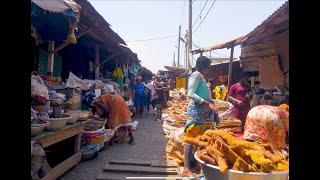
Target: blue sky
x: 148, y: 19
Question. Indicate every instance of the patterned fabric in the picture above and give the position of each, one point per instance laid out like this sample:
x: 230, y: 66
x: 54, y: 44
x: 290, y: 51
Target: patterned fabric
x: 200, y: 119
x: 267, y: 124
x: 119, y: 113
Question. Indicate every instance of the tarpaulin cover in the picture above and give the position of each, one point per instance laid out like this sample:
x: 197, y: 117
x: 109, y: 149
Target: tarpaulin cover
x: 58, y: 5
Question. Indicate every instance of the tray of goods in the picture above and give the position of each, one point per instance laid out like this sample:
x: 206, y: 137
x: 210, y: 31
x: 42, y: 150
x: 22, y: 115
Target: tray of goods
x: 225, y: 157
x: 85, y: 115
x: 229, y: 122
x: 93, y: 125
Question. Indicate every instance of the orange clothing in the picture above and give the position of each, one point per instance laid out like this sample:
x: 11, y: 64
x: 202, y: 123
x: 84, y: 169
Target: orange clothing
x: 119, y: 113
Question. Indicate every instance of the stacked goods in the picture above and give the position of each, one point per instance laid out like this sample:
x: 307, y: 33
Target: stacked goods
x: 222, y: 148
x: 51, y: 80
x: 174, y: 146
x: 175, y: 113
x: 230, y: 124
x: 174, y: 118
x: 93, y: 136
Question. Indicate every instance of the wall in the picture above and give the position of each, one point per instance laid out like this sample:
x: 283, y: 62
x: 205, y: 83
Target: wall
x: 223, y: 69
x: 272, y: 45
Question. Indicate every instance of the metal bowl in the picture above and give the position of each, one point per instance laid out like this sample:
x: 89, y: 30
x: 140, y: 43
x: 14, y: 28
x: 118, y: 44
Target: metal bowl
x: 37, y: 129
x: 57, y: 123
x: 213, y: 172
x: 74, y: 117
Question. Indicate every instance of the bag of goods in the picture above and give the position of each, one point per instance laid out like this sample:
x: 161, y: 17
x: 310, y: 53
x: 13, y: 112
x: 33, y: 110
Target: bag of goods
x: 222, y: 148
x: 75, y: 82
x: 39, y: 91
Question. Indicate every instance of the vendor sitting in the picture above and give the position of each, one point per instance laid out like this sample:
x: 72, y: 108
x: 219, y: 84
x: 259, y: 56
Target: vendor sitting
x: 268, y: 124
x: 115, y: 109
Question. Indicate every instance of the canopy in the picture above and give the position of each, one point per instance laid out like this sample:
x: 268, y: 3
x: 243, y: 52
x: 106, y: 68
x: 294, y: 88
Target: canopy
x: 58, y: 5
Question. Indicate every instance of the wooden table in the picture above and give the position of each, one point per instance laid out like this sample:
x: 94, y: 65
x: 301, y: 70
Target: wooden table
x: 48, y: 138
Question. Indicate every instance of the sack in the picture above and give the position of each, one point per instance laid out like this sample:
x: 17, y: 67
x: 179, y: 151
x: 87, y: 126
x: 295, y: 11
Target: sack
x: 75, y: 82
x: 117, y: 72
x: 38, y: 88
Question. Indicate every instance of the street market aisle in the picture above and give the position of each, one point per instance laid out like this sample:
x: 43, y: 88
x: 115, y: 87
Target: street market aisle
x: 149, y: 145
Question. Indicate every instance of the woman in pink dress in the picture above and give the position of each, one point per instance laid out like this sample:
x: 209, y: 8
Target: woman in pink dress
x: 237, y: 95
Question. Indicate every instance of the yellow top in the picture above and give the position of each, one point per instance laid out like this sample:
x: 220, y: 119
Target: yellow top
x: 221, y: 93
x: 180, y: 82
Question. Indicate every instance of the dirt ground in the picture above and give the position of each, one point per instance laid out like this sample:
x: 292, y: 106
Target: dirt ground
x: 149, y: 145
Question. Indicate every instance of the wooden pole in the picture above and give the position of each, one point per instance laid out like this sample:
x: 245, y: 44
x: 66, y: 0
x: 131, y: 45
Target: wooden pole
x: 230, y: 69
x: 66, y: 43
x: 186, y: 47
x: 190, y: 34
x: 178, y: 55
x: 97, y: 58
x: 50, y: 58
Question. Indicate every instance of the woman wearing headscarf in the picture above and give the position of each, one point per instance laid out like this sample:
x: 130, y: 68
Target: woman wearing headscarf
x: 200, y: 109
x: 268, y: 124
x: 114, y: 108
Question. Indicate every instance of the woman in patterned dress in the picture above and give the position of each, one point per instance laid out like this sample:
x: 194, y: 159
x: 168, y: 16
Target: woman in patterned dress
x: 115, y: 109
x: 200, y: 109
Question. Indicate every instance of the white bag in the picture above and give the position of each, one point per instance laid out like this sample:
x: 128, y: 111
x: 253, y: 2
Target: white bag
x: 75, y: 82
x: 38, y: 87
x: 135, y: 125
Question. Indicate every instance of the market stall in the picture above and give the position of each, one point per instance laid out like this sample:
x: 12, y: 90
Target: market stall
x: 69, y: 155
x: 63, y: 124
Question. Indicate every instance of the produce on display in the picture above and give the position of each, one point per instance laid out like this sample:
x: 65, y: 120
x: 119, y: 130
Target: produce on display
x: 222, y: 148
x: 230, y: 124
x: 175, y: 114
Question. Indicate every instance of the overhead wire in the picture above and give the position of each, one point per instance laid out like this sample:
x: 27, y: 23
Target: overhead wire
x: 165, y: 37
x: 205, y: 16
x: 200, y: 13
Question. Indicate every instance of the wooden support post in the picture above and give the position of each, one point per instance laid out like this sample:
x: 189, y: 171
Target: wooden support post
x: 66, y: 43
x: 50, y: 58
x: 97, y: 58
x: 230, y: 70
x: 178, y: 58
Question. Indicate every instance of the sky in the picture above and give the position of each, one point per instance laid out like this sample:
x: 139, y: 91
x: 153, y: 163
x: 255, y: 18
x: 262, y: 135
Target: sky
x: 140, y: 20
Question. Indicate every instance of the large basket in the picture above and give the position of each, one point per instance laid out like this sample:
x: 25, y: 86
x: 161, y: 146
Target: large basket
x: 226, y: 112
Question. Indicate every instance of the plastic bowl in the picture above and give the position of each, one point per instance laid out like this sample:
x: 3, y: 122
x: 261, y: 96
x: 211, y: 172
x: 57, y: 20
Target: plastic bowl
x: 213, y: 172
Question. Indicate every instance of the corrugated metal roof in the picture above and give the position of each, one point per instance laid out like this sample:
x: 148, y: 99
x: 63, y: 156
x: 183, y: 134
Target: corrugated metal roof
x: 171, y: 68
x: 221, y: 45
x: 89, y: 12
